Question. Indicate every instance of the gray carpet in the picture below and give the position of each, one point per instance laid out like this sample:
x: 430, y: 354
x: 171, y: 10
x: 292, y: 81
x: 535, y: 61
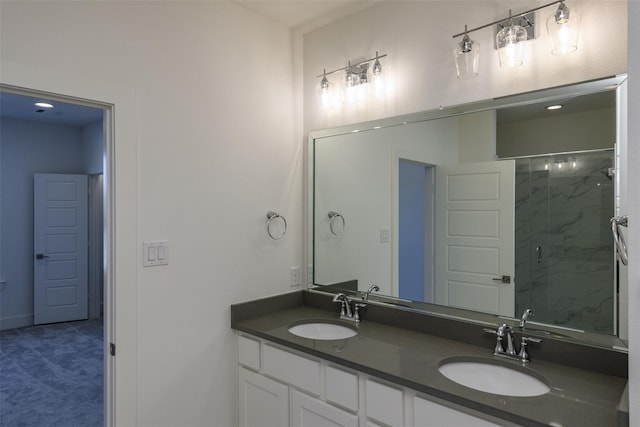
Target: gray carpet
x: 52, y: 375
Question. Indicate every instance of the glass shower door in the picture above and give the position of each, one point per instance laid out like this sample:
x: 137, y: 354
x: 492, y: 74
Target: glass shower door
x: 564, y: 247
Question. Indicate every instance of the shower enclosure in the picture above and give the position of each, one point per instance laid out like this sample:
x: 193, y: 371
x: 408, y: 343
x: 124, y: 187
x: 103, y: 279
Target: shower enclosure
x: 564, y: 252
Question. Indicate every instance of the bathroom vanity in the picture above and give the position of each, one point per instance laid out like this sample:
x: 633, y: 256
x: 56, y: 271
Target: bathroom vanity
x: 388, y: 374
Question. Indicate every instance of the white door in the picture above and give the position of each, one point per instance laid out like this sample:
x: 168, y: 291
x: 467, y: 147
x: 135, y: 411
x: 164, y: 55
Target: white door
x: 475, y: 236
x: 60, y: 233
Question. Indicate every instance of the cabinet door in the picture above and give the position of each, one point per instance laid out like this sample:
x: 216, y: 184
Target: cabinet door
x: 430, y: 414
x: 384, y: 404
x: 307, y: 411
x: 263, y: 402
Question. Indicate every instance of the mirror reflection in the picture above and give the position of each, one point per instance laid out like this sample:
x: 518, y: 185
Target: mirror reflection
x: 496, y: 207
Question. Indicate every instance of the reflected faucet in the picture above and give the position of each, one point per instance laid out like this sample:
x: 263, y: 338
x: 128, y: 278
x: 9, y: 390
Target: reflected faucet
x: 528, y: 313
x: 365, y: 294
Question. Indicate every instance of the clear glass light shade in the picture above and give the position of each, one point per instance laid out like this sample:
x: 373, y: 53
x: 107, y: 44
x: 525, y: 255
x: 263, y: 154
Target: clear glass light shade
x: 467, y: 56
x: 510, y: 42
x: 563, y: 28
x: 327, y: 94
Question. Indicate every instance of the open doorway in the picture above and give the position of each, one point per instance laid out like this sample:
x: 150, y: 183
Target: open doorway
x: 415, y: 230
x: 67, y: 136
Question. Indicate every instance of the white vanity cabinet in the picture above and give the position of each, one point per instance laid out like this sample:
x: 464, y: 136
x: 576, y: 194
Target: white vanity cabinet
x: 280, y: 387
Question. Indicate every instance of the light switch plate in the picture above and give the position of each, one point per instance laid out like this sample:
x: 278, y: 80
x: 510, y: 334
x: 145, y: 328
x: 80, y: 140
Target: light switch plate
x: 155, y: 252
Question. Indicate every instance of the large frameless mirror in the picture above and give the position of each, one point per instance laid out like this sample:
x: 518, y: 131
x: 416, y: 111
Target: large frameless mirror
x: 487, y: 209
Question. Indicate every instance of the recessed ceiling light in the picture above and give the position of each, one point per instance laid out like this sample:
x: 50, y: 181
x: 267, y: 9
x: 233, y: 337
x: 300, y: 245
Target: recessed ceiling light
x: 43, y: 105
x: 554, y: 107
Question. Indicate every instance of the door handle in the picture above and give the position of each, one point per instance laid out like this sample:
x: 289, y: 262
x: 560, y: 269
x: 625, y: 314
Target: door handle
x: 41, y: 256
x: 538, y: 254
x: 503, y: 279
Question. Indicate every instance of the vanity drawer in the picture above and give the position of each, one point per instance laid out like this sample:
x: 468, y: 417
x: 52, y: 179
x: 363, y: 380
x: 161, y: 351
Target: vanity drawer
x: 431, y: 414
x: 290, y: 368
x: 342, y: 388
x: 249, y: 352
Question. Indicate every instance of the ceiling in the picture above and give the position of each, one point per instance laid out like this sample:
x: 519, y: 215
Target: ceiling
x: 570, y: 105
x: 15, y: 106
x: 306, y: 15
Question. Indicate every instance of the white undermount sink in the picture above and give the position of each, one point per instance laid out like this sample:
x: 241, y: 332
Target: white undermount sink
x: 491, y: 376
x: 322, y: 330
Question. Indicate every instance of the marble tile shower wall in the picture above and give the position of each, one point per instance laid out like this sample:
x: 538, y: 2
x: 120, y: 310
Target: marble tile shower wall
x: 563, y: 207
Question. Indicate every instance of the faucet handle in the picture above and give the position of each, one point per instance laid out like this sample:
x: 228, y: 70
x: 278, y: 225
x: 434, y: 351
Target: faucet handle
x: 356, y: 311
x: 523, y: 355
x: 498, y: 348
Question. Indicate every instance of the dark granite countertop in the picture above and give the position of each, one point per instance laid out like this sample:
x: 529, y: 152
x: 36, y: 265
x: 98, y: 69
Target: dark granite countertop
x: 578, y: 397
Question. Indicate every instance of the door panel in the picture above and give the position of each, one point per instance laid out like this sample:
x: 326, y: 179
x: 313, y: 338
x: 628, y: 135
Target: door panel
x: 61, y: 248
x: 475, y: 237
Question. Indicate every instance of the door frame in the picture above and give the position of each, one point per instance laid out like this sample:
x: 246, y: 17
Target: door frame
x: 109, y: 237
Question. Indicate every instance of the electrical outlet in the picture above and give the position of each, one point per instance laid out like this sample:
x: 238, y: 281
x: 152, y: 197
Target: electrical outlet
x: 294, y: 276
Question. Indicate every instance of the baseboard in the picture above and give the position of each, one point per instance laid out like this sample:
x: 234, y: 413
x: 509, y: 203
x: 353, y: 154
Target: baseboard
x: 14, y: 322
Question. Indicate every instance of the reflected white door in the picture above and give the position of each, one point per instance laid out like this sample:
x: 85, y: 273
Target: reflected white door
x: 60, y: 229
x: 475, y: 236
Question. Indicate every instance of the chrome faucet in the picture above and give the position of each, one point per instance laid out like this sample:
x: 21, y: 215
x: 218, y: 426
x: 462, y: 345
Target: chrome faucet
x: 365, y: 294
x: 345, y: 305
x: 346, y: 312
x: 503, y: 333
x: 526, y: 315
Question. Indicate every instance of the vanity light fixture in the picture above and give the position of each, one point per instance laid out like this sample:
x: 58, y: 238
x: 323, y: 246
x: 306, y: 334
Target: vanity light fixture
x: 467, y: 55
x: 554, y: 107
x: 357, y: 81
x: 563, y: 27
x: 510, y: 42
x: 513, y: 31
x: 43, y: 105
x: 324, y: 89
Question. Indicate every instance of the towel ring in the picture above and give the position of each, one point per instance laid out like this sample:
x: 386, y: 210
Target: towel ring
x: 618, y: 238
x: 271, y: 217
x: 334, y: 220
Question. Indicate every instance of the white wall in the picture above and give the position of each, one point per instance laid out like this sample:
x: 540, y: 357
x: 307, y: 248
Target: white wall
x: 634, y: 212
x: 204, y: 146
x: 27, y: 148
